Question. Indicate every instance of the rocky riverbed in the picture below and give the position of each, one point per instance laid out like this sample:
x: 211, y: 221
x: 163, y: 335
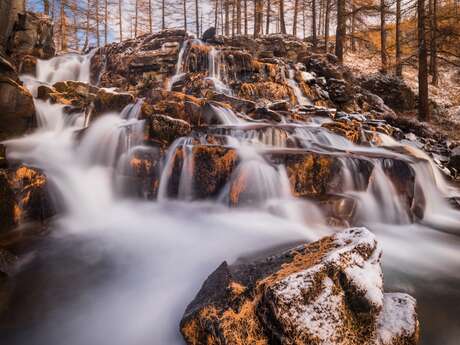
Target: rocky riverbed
x: 276, y: 145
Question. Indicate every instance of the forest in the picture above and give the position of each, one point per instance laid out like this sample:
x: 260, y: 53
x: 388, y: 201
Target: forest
x: 229, y: 172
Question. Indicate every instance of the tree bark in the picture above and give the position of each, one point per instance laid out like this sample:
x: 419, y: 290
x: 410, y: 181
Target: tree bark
x: 184, y: 9
x: 227, y: 17
x: 296, y: 14
x: 120, y: 23
x: 63, y: 26
x: 150, y: 17
x: 163, y: 16
x: 326, y: 25
x: 238, y: 17
x: 233, y: 19
x: 353, y: 27
x: 267, y: 16
x: 258, y: 15
x: 246, y: 17
x: 46, y: 7
x: 98, y: 36
x: 341, y: 30
x: 281, y: 15
x: 434, y: 42
x: 423, y: 105
x: 106, y: 21
x: 197, y: 17
x: 398, y: 67
x: 313, y: 23
x: 383, y: 36
x: 136, y: 16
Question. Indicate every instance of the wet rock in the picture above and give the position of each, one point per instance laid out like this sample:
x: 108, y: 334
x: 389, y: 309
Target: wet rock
x: 454, y: 160
x: 25, y: 196
x: 203, y: 170
x: 209, y: 34
x: 32, y: 37
x: 238, y: 104
x: 327, y: 292
x: 17, y: 111
x: 394, y: 92
x: 164, y: 129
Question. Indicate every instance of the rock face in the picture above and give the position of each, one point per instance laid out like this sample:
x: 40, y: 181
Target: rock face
x: 17, y: 111
x: 394, y: 92
x: 32, y: 38
x: 25, y: 196
x: 327, y: 292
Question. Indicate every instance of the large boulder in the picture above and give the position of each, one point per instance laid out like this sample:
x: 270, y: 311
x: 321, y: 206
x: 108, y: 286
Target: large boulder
x: 25, y: 196
x: 327, y: 292
x: 32, y: 35
x: 394, y: 91
x: 17, y: 111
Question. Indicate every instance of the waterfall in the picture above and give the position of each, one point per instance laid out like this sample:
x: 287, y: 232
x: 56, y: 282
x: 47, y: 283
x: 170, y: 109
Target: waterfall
x: 301, y: 99
x: 110, y: 257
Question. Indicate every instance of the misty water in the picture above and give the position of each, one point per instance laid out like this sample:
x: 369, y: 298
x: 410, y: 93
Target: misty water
x: 118, y: 270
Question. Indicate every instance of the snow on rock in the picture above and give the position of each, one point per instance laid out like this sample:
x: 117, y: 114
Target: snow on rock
x: 398, y: 322
x: 328, y: 292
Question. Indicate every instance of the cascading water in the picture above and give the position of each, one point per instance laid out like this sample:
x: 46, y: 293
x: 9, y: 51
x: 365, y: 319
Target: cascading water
x: 301, y: 99
x: 120, y: 271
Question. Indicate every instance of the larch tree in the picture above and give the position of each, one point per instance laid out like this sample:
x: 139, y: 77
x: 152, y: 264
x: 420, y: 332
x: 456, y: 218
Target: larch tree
x: 383, y: 37
x: 340, y: 30
x: 281, y: 17
x: 434, y: 41
x: 398, y: 63
x: 313, y: 23
x: 423, y: 104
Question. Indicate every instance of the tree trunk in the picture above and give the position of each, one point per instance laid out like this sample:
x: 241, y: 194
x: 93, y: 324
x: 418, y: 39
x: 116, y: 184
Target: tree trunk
x: 216, y: 16
x: 85, y: 46
x: 106, y: 20
x: 136, y: 16
x: 98, y: 36
x: 341, y: 30
x: 227, y: 17
x: 46, y: 7
x: 63, y: 26
x: 281, y: 15
x: 423, y: 105
x: 150, y: 17
x: 245, y: 17
x: 233, y: 18
x: 383, y: 36
x: 75, y: 24
x: 267, y: 16
x: 326, y: 25
x: 434, y: 42
x: 163, y: 17
x: 238, y: 17
x: 398, y: 66
x: 313, y: 23
x: 353, y: 27
x: 120, y: 23
x: 258, y: 14
x: 296, y: 14
x: 184, y: 5
x: 197, y: 17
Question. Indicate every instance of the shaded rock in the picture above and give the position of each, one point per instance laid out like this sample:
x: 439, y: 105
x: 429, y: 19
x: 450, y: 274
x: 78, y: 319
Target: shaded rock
x: 327, y: 292
x: 238, y: 104
x: 209, y: 34
x: 17, y: 111
x: 394, y: 91
x: 32, y: 36
x: 165, y: 129
x: 25, y: 195
x: 454, y: 160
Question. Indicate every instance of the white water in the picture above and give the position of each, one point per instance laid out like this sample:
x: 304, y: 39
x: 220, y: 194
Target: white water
x: 301, y: 99
x: 152, y: 257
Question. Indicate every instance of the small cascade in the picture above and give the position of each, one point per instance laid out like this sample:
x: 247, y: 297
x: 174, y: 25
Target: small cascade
x: 214, y: 71
x: 180, y: 146
x: 226, y: 116
x: 314, y: 136
x: 301, y: 99
x: 65, y: 67
x: 181, y: 65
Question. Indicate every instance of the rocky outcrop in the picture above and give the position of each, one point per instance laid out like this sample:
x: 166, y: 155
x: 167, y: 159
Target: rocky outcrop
x: 31, y: 38
x: 17, y: 111
x: 25, y: 196
x: 327, y: 292
x: 394, y: 92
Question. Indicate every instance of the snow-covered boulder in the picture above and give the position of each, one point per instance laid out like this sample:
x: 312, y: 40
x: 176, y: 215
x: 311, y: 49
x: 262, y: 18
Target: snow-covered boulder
x: 326, y: 292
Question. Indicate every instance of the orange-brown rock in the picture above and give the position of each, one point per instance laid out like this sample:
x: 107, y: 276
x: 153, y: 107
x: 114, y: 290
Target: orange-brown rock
x: 312, y: 294
x: 165, y: 129
x: 25, y: 196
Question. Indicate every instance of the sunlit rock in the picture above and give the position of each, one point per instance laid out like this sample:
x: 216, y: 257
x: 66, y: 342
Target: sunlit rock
x: 327, y: 292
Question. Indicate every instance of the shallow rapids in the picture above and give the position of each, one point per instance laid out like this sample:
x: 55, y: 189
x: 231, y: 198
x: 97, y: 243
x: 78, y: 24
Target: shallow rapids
x: 115, y: 270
